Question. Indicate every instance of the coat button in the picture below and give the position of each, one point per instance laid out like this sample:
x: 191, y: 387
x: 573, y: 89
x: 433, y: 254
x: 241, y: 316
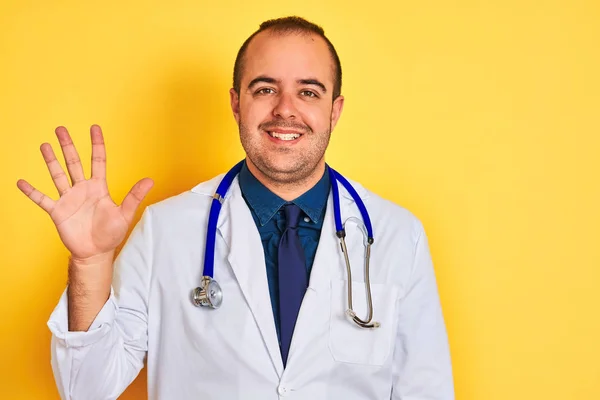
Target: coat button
x: 282, y: 390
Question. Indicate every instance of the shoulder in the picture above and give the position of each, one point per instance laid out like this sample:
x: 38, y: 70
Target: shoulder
x: 389, y: 214
x: 195, y: 200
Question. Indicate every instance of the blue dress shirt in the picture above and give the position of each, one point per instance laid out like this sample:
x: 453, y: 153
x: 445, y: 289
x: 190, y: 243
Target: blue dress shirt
x: 266, y: 209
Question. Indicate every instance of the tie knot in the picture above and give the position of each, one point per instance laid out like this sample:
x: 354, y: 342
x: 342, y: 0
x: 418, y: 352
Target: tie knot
x: 292, y: 215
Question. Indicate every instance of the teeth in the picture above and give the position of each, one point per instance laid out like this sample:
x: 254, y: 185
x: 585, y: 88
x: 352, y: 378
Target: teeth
x: 284, y: 136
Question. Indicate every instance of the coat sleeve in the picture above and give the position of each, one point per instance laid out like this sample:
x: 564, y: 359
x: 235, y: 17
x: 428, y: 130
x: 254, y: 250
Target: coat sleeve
x: 422, y: 369
x: 101, y: 362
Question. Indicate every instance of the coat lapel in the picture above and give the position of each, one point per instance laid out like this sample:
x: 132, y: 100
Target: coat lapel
x: 246, y: 257
x: 329, y: 260
x: 328, y: 265
x: 329, y: 255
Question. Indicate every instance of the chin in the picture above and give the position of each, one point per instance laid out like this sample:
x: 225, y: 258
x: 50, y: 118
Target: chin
x: 278, y: 168
x: 284, y: 165
x: 288, y: 169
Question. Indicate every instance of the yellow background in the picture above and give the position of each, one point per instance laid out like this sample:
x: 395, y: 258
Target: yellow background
x: 482, y: 118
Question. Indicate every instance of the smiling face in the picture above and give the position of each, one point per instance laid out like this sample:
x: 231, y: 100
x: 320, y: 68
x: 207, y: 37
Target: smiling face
x: 285, y: 109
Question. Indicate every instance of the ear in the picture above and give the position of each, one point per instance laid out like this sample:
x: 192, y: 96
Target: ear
x: 234, y: 98
x: 336, y: 110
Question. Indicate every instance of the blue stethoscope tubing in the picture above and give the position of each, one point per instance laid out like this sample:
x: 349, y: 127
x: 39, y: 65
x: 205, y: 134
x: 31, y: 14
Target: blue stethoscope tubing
x: 335, y: 177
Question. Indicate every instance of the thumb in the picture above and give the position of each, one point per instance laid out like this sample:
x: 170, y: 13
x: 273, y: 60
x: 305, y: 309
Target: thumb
x: 135, y: 196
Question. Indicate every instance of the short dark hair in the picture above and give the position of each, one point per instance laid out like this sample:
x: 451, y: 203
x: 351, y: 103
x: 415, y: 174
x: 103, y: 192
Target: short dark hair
x: 288, y: 25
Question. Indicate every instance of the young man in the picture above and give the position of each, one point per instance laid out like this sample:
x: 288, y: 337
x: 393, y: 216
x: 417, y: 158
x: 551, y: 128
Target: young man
x: 284, y: 328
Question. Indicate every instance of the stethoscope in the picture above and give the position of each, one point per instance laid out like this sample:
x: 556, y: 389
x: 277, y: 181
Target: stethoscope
x: 209, y: 293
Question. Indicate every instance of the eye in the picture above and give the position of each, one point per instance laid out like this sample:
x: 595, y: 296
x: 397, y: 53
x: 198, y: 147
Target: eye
x: 265, y: 91
x: 309, y: 93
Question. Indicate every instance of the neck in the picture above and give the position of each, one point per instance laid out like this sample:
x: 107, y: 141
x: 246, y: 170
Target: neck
x: 291, y: 189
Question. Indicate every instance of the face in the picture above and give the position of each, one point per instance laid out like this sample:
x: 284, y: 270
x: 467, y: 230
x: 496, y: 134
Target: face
x: 285, y: 111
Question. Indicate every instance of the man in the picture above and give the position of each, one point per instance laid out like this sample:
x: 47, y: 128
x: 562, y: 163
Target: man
x: 282, y: 329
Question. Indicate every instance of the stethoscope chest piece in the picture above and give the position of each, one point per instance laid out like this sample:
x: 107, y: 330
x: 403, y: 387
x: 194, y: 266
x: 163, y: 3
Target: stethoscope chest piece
x: 209, y: 294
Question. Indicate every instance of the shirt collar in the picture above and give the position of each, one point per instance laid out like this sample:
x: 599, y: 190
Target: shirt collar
x: 265, y: 203
x: 314, y: 201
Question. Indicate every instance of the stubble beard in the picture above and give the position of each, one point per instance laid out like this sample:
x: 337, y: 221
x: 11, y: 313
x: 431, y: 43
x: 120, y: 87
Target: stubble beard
x: 300, y: 168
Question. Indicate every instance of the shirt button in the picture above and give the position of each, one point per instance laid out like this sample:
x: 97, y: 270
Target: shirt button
x: 282, y: 390
x: 306, y: 219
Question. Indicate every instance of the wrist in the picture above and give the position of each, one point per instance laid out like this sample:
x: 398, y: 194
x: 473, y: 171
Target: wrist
x: 91, y: 275
x: 98, y: 259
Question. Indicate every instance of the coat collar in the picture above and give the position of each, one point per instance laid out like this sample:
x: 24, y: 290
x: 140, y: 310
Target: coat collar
x: 246, y: 257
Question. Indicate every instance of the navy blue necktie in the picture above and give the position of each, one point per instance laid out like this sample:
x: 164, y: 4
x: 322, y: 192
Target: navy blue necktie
x: 293, y: 279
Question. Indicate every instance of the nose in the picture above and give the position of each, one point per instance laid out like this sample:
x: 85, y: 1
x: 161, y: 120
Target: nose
x: 285, y: 108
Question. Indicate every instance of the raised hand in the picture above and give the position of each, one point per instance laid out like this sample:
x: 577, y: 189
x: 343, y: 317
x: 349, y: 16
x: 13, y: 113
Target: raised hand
x: 88, y: 221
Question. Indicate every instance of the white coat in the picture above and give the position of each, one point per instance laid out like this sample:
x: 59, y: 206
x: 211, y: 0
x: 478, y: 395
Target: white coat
x: 232, y: 352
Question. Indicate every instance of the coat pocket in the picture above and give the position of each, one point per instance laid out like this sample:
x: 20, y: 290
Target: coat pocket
x: 350, y: 343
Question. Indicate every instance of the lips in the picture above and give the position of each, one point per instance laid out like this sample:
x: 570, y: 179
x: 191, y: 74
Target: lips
x: 285, y: 136
x: 288, y: 132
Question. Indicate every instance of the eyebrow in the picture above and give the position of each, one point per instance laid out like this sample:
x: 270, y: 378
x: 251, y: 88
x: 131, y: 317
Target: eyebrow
x: 314, y: 82
x: 261, y: 78
x: 268, y: 79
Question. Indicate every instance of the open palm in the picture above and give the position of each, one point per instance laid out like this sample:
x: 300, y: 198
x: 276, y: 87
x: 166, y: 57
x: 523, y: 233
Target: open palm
x: 88, y: 221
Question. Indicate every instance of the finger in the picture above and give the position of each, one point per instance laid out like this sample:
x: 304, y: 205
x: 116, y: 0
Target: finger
x: 45, y: 202
x: 135, y: 196
x: 56, y: 171
x: 71, y: 156
x: 98, y: 153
